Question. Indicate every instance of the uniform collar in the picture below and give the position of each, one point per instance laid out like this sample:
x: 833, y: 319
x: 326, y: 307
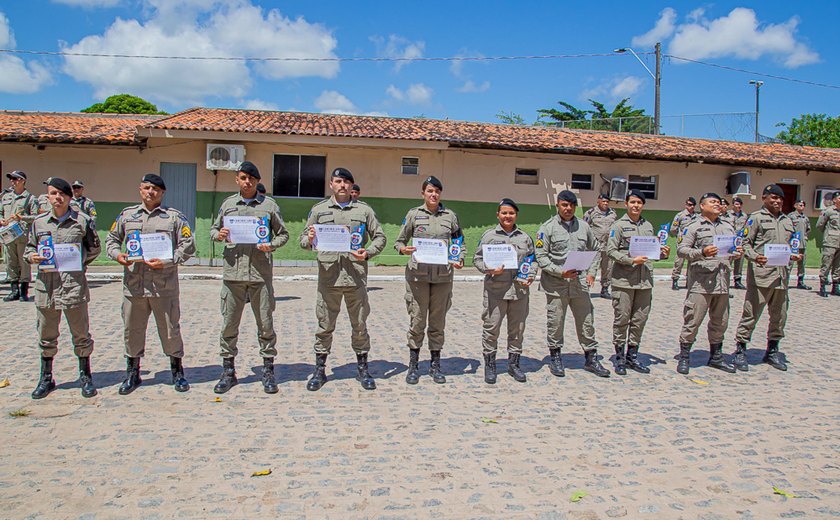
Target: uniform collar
x: 704, y: 219
x: 767, y: 212
x: 24, y: 193
x: 628, y: 219
x: 258, y: 198
x: 500, y: 229
x: 440, y: 209
x: 71, y: 215
x: 563, y: 222
x: 334, y: 203
x: 144, y: 210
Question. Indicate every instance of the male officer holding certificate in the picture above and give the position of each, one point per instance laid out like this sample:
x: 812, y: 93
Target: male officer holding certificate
x: 150, y: 277
x: 342, y: 271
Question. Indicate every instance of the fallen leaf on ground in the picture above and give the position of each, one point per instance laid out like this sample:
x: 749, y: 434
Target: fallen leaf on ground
x: 22, y: 412
x: 261, y: 473
x: 577, y: 495
x: 487, y: 420
x: 698, y: 381
x: 786, y: 494
x: 5, y: 382
x: 217, y: 400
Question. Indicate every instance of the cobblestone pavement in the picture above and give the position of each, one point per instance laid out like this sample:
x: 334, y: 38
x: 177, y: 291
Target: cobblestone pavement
x: 708, y: 445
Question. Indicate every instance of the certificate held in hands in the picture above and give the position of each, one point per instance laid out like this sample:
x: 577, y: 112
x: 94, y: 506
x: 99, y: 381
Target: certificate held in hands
x: 332, y: 238
x: 430, y: 251
x: 247, y: 230
x: 649, y: 247
x: 499, y: 255
x: 579, y: 260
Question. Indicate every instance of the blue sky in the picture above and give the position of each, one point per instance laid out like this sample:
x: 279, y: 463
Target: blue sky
x: 797, y: 40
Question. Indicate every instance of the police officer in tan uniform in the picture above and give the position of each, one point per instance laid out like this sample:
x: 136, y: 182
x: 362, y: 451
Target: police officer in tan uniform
x: 802, y: 224
x: 18, y: 205
x: 343, y: 275
x: 84, y: 204
x: 505, y: 293
x: 708, y: 283
x: 678, y: 225
x: 564, y: 288
x: 632, y: 281
x: 767, y: 286
x: 829, y: 224
x: 247, y: 277
x: 428, y: 287
x: 150, y: 287
x: 738, y: 219
x: 601, y: 218
x: 63, y: 291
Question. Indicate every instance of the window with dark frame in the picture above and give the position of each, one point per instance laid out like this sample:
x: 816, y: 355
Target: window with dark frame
x: 645, y: 184
x: 581, y: 181
x: 299, y: 176
x: 526, y: 176
x: 410, y: 165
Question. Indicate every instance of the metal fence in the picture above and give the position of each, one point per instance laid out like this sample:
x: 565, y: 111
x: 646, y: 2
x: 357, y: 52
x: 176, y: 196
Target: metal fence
x: 729, y: 126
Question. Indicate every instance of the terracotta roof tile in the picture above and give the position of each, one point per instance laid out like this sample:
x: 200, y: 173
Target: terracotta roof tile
x: 72, y: 127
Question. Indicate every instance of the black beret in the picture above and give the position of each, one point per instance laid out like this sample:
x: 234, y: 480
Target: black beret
x: 261, y: 188
x: 691, y: 200
x: 635, y: 193
x: 80, y: 184
x: 509, y: 202
x: 567, y: 196
x: 356, y: 187
x: 61, y: 185
x: 17, y: 174
x: 836, y: 194
x: 155, y: 179
x: 710, y: 195
x: 342, y: 173
x: 773, y: 189
x: 724, y: 201
x: 434, y: 181
x: 251, y: 169
x: 737, y: 199
x: 800, y: 201
x: 603, y: 196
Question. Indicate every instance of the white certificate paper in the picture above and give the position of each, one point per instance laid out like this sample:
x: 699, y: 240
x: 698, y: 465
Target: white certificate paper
x: 430, y: 251
x: 241, y: 230
x: 500, y: 255
x: 645, y: 246
x: 725, y: 245
x: 156, y: 245
x: 68, y: 257
x: 331, y: 237
x: 579, y: 260
x: 777, y: 254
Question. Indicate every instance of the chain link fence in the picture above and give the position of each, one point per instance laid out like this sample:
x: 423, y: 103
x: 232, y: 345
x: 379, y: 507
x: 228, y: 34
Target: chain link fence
x: 730, y: 126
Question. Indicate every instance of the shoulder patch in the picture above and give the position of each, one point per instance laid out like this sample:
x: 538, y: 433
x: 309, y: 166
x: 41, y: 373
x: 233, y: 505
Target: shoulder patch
x: 185, y: 231
x: 612, y: 232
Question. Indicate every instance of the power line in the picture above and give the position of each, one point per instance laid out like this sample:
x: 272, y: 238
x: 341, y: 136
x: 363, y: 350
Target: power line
x: 754, y: 73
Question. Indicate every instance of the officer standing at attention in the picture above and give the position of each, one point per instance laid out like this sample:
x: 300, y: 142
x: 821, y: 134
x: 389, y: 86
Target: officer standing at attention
x: 601, y: 218
x: 355, y: 192
x: 558, y: 236
x: 725, y: 215
x: 66, y: 292
x: 151, y: 286
x: 505, y: 296
x: 632, y: 281
x: 829, y: 224
x: 766, y: 285
x: 247, y: 274
x: 738, y: 220
x: 680, y: 222
x: 708, y: 283
x: 21, y: 206
x: 84, y: 204
x: 343, y: 275
x: 428, y: 287
x: 801, y: 223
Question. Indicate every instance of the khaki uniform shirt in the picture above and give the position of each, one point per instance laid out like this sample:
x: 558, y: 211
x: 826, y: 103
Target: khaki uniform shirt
x: 62, y: 290
x: 140, y: 280
x: 555, y: 239
x: 85, y: 205
x: 505, y: 286
x: 342, y: 269
x: 600, y: 222
x: 624, y: 274
x: 763, y: 228
x: 728, y: 218
x: 681, y: 221
x: 244, y: 262
x: 829, y: 224
x: 421, y: 223
x: 738, y: 220
x: 801, y: 223
x: 44, y: 205
x: 25, y: 205
x: 706, y: 275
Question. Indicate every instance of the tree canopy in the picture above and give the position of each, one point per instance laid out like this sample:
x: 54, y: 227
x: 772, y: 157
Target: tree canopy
x: 123, y: 104
x: 812, y: 130
x: 622, y: 118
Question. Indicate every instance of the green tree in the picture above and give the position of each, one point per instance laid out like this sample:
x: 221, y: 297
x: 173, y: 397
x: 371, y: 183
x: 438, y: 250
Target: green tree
x: 124, y: 104
x: 812, y: 130
x: 622, y: 118
x: 510, y: 118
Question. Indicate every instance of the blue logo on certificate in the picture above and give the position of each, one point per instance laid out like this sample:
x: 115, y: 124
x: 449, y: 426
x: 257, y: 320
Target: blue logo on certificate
x: 525, y: 268
x: 357, y: 237
x: 663, y: 234
x: 133, y: 247
x: 795, y: 243
x: 263, y: 231
x: 455, y: 246
x: 47, y: 252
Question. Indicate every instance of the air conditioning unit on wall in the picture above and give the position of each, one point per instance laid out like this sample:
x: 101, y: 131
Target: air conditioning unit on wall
x: 822, y: 197
x: 225, y: 156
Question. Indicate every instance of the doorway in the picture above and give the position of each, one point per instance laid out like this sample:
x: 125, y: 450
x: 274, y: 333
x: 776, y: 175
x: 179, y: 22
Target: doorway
x: 791, y: 195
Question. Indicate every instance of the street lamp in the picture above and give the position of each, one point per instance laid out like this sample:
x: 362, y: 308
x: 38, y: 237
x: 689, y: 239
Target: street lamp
x: 757, y: 87
x: 657, y: 79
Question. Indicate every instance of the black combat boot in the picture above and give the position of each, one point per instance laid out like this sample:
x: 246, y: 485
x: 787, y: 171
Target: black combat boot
x: 593, y: 365
x: 823, y: 292
x: 86, y: 378
x: 132, y: 376
x: 14, y: 295
x: 835, y: 289
x: 773, y: 357
x: 24, y: 291
x: 800, y: 283
x: 46, y: 383
x: 740, y: 360
x: 319, y: 375
x: 620, y: 360
x: 633, y: 360
x: 269, y: 384
x: 555, y: 363
x: 228, y: 378
x: 180, y: 383
x: 675, y: 285
x: 434, y: 368
x: 738, y: 284
x: 364, y: 376
x: 683, y: 357
x: 716, y: 359
x: 513, y: 368
x: 490, y: 368
x: 605, y: 293
x: 412, y: 376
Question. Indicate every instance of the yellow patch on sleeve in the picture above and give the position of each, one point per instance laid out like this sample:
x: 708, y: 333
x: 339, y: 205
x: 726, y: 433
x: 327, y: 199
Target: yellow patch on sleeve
x: 114, y: 226
x: 539, y: 243
x: 93, y: 213
x: 185, y: 232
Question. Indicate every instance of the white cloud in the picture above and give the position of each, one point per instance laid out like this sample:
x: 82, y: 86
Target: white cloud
x: 614, y: 89
x: 416, y: 94
x: 334, y: 102
x: 259, y: 104
x: 469, y: 87
x: 16, y: 76
x: 399, y: 48
x: 88, y: 4
x: 663, y: 29
x: 626, y: 87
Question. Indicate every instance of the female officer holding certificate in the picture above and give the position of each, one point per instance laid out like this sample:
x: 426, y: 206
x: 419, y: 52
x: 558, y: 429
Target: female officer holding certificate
x: 428, y: 275
x: 505, y: 254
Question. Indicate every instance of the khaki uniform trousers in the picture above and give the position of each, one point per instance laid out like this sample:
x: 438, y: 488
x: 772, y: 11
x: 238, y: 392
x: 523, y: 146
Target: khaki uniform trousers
x: 327, y: 307
x: 261, y: 295
x: 606, y: 266
x: 830, y: 265
x: 17, y: 268
x: 776, y: 301
x: 738, y: 268
x: 584, y: 314
x: 696, y: 307
x: 427, y: 303
x: 47, y: 320
x: 631, y: 308
x: 167, y: 312
x: 496, y: 310
x: 678, y: 264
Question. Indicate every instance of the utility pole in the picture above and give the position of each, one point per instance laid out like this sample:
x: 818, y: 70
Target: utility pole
x: 758, y: 85
x: 658, y: 80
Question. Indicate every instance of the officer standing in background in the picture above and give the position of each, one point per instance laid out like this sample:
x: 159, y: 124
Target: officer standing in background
x: 558, y: 236
x: 766, y: 285
x: 261, y: 188
x: 600, y: 218
x: 680, y: 222
x: 355, y: 192
x: 725, y: 215
x: 801, y: 223
x: 829, y: 224
x: 63, y: 292
x: 738, y: 220
x: 84, y: 204
x: 151, y: 286
x: 21, y: 206
x: 632, y: 281
x: 428, y: 287
x: 708, y: 283
x: 343, y: 275
x: 247, y: 274
x: 505, y: 296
